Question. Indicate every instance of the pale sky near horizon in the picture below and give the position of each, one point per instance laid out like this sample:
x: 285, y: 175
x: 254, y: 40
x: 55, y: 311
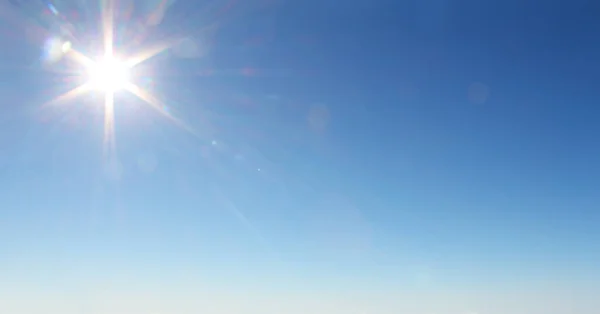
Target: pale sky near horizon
x: 392, y: 156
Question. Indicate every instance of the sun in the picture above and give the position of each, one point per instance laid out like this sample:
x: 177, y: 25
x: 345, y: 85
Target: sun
x: 108, y: 74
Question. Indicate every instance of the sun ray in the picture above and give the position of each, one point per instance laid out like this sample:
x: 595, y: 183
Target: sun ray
x: 68, y: 95
x: 157, y: 105
x: 80, y: 58
x: 107, y: 26
x: 109, y: 127
x: 149, y: 53
x: 109, y: 100
x: 162, y: 46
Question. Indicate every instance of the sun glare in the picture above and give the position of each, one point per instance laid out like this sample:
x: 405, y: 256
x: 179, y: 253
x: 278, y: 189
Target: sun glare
x: 108, y: 75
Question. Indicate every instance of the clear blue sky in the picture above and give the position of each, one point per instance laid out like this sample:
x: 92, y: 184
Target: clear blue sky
x: 343, y: 157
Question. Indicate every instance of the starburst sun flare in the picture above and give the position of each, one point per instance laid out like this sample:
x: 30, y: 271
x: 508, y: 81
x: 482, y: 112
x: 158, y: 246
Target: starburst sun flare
x: 109, y: 74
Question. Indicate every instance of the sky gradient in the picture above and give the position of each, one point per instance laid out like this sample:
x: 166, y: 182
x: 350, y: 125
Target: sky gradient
x: 431, y: 156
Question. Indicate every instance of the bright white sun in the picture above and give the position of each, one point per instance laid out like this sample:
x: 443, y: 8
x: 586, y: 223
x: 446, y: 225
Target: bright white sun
x: 108, y: 75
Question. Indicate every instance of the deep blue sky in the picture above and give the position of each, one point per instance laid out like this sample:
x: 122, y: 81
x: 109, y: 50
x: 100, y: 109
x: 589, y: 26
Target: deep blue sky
x: 435, y: 146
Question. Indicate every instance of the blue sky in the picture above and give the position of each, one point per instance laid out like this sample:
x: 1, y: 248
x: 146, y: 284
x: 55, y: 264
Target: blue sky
x: 425, y: 156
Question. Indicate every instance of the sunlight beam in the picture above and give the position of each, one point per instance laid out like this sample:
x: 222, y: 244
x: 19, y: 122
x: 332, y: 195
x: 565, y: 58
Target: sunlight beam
x: 147, y: 54
x: 107, y: 26
x: 109, y: 126
x: 156, y: 105
x: 68, y: 95
x: 80, y: 58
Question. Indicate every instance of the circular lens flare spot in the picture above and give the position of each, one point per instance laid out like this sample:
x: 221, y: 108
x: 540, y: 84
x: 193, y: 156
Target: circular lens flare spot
x: 66, y: 46
x: 109, y: 75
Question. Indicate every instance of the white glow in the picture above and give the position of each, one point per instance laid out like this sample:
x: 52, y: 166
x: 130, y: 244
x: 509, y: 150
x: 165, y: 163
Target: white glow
x: 66, y: 46
x: 108, y: 75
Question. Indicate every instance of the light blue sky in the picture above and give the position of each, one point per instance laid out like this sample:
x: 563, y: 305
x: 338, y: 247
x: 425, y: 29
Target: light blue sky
x: 427, y: 156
